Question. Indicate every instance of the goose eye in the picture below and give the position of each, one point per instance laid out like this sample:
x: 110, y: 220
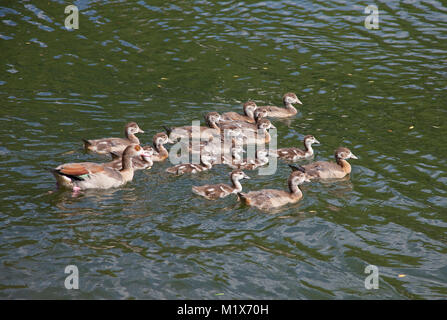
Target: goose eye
x: 137, y: 148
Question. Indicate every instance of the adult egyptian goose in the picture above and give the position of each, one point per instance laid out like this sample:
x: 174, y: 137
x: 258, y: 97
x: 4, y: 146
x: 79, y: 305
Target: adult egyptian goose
x: 88, y: 175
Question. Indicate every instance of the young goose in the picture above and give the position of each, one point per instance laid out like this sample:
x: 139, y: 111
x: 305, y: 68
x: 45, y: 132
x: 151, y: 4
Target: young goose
x: 88, y: 175
x: 244, y: 126
x: 262, y: 136
x: 271, y: 198
x: 216, y: 191
x: 288, y: 99
x: 160, y: 152
x: 329, y: 170
x: 206, y: 163
x: 107, y: 145
x: 249, y: 109
x: 251, y: 164
x: 145, y: 162
x: 295, y: 154
x: 212, y: 118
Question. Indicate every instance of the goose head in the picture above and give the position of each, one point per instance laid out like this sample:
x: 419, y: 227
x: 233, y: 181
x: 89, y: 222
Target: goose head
x: 343, y: 154
x: 132, y: 128
x: 309, y: 140
x: 291, y: 98
x: 238, y: 175
x: 249, y: 108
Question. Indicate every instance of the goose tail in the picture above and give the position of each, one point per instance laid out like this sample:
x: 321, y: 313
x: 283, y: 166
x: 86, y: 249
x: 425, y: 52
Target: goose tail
x: 297, y: 168
x: 167, y: 129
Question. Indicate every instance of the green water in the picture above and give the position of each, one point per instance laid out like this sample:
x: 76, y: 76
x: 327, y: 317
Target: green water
x: 381, y: 93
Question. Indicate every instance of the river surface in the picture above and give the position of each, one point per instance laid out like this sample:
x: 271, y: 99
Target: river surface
x: 381, y: 93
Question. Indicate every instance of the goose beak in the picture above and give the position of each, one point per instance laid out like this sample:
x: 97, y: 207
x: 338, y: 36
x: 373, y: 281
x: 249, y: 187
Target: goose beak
x: 272, y: 126
x: 298, y: 101
x: 246, y: 177
x: 170, y: 141
x: 353, y: 156
x: 317, y: 142
x: 306, y: 179
x: 140, y: 131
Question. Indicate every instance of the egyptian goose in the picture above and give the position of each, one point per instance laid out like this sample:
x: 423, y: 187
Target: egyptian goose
x: 249, y: 109
x: 271, y: 198
x: 275, y: 112
x: 116, y: 145
x: 329, y: 170
x: 295, y: 154
x: 206, y: 163
x: 88, y: 175
x: 221, y: 190
x: 197, y: 132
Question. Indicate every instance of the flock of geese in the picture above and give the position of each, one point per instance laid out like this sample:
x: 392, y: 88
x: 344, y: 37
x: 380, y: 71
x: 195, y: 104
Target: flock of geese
x: 244, y: 129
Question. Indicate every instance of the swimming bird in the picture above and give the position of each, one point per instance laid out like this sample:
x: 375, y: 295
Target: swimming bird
x: 271, y: 198
x: 329, y: 170
x: 197, y: 132
x: 275, y: 112
x: 244, y: 126
x: 145, y: 162
x: 251, y: 164
x: 89, y: 175
x: 160, y: 152
x: 221, y: 190
x: 248, y: 116
x: 295, y: 154
x: 206, y: 163
x: 262, y: 135
x: 107, y: 145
